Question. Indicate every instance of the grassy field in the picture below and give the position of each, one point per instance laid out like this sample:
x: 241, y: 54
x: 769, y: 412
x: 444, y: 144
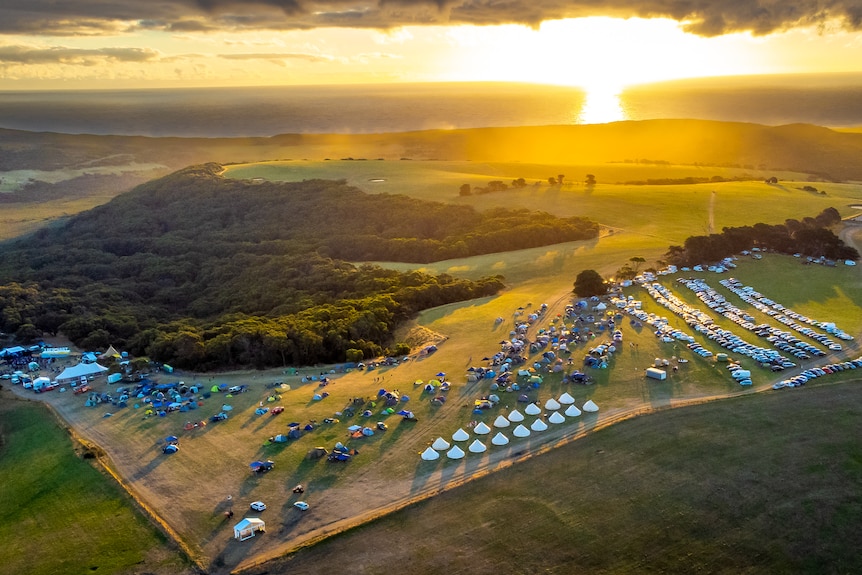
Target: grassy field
x: 760, y: 484
x: 191, y: 487
x: 61, y: 515
x: 388, y: 468
x: 658, y: 215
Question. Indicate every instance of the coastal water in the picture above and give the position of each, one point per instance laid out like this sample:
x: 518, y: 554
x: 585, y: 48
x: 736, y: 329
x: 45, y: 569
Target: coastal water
x: 232, y: 112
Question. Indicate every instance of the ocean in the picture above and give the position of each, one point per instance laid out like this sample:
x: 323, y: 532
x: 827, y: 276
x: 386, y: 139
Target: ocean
x: 834, y: 101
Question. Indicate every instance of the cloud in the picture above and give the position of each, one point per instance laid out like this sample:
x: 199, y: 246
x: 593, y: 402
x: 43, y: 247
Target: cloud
x: 705, y: 17
x: 61, y: 55
x: 275, y: 56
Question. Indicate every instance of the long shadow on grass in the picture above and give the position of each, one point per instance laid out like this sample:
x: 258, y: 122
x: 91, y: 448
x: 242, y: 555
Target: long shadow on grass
x: 157, y: 460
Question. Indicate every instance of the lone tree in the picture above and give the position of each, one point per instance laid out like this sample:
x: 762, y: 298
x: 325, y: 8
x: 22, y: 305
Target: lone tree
x: 591, y: 180
x: 637, y: 261
x: 560, y: 178
x: 465, y: 190
x: 590, y: 283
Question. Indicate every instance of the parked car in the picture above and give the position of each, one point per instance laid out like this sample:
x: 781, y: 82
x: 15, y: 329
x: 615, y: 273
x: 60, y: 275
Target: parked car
x: 301, y: 505
x: 258, y: 506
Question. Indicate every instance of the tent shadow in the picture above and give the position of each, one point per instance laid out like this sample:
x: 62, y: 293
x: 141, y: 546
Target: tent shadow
x: 157, y: 460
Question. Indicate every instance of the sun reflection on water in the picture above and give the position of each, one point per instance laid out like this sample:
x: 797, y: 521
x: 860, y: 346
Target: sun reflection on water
x: 601, y: 106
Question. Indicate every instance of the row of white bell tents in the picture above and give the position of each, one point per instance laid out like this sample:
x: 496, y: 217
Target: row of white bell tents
x: 432, y: 452
x: 502, y: 421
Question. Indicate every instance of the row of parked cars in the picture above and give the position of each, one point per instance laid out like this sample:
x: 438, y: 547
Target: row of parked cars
x: 787, y: 316
x: 815, y: 372
x: 732, y: 342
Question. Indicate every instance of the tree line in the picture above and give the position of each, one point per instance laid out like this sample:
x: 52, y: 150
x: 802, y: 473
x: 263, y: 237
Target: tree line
x: 809, y: 237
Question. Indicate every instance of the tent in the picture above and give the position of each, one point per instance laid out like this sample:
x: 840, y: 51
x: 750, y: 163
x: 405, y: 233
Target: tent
x: 501, y: 421
x: 477, y: 447
x: 556, y: 418
x: 460, y: 435
x: 481, y: 429
x: 521, y: 431
x: 532, y: 409
x: 516, y: 416
x: 110, y: 353
x: 500, y: 439
x: 539, y: 425
x: 81, y: 370
x: 316, y: 453
x: 572, y: 411
x: 566, y: 399
x: 429, y: 454
x: 455, y: 453
x: 246, y: 528
x: 440, y: 444
x: 552, y: 404
x: 590, y: 406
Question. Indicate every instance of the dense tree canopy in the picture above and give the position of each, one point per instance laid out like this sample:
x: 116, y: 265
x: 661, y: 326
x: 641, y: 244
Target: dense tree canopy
x: 810, y: 237
x: 203, y: 271
x: 590, y: 283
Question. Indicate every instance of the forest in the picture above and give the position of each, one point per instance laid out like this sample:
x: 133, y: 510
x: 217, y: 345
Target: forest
x: 810, y: 236
x: 204, y: 272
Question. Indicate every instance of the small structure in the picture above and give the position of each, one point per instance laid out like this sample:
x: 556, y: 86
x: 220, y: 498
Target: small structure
x: 248, y: 527
x: 429, y: 454
x: 655, y: 373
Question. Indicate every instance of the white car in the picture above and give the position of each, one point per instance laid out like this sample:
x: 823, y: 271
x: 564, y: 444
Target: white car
x: 258, y: 506
x: 301, y: 505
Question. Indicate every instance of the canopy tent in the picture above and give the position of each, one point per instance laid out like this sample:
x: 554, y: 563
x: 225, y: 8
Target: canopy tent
x: 429, y: 454
x: 516, y: 416
x: 110, y: 353
x: 556, y: 418
x: 481, y: 429
x: 552, y: 404
x: 500, y: 439
x: 590, y: 406
x: 440, y: 444
x: 539, y: 425
x: 81, y: 370
x: 248, y: 527
x: 460, y: 435
x: 572, y: 411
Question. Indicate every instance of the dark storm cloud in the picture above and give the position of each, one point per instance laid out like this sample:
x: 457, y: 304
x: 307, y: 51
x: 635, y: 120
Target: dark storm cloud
x: 706, y: 17
x: 59, y: 55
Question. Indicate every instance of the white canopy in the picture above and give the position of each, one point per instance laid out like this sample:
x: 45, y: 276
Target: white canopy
x: 481, y: 428
x: 521, y: 431
x: 248, y: 527
x: 460, y: 435
x: 566, y: 399
x: 591, y: 406
x: 81, y: 370
x: 539, y: 425
x: 556, y: 418
x: 477, y: 447
x: 440, y: 444
x: 552, y: 404
x: 532, y: 409
x: 500, y: 439
x: 501, y: 421
x: 516, y: 416
x: 455, y: 453
x: 430, y: 455
x: 572, y: 411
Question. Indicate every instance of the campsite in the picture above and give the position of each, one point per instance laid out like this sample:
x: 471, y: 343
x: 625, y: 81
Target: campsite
x: 391, y: 457
x: 353, y: 436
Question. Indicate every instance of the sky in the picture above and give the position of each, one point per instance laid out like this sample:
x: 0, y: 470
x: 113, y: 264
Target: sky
x: 601, y: 45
